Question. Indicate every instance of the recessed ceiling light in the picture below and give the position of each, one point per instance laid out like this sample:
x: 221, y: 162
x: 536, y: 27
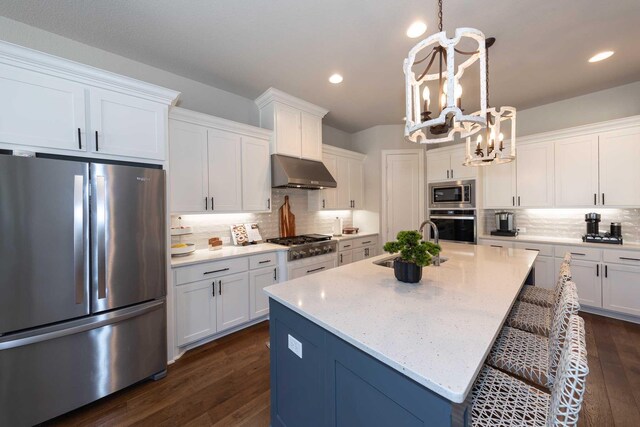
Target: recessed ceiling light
x: 416, y: 29
x: 335, y: 78
x: 601, y: 56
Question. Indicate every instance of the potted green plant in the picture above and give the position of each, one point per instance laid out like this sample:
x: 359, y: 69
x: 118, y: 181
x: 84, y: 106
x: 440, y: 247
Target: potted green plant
x: 414, y: 254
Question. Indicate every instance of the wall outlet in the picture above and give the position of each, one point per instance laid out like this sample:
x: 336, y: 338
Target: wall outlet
x: 295, y: 346
x: 522, y: 230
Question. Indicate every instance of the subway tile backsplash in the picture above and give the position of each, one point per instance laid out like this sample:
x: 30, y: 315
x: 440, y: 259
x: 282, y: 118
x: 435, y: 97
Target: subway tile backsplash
x: 210, y: 225
x: 567, y: 223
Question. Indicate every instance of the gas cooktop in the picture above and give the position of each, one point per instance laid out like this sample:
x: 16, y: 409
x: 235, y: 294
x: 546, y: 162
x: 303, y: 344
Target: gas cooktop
x: 306, y: 245
x: 299, y: 240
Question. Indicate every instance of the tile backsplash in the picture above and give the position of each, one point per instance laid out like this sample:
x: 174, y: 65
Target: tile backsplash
x: 210, y: 225
x: 566, y: 222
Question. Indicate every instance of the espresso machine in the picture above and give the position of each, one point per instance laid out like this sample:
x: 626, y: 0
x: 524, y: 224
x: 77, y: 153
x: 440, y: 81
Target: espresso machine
x: 505, y: 225
x: 613, y: 236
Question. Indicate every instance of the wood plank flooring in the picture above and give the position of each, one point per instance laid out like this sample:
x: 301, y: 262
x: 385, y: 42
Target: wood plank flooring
x: 226, y: 383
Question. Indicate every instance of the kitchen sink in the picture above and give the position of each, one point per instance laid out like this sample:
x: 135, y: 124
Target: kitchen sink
x: 388, y: 262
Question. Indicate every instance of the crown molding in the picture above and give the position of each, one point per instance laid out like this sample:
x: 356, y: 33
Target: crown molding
x: 330, y: 149
x: 30, y: 59
x: 194, y: 117
x: 591, y: 128
x: 273, y: 94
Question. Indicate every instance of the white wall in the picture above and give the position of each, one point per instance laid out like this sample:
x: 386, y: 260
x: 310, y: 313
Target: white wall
x: 336, y: 137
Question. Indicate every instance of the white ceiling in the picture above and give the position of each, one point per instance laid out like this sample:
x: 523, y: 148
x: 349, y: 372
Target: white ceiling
x: 245, y: 46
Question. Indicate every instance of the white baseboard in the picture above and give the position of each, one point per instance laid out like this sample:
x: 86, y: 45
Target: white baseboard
x: 612, y: 314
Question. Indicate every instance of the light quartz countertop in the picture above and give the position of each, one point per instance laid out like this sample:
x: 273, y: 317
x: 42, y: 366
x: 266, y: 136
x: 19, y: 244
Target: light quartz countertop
x: 562, y: 241
x: 437, y: 332
x: 352, y: 236
x: 205, y: 255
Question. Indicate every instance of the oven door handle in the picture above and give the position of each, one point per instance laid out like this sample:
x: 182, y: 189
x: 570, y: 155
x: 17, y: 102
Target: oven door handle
x: 452, y: 217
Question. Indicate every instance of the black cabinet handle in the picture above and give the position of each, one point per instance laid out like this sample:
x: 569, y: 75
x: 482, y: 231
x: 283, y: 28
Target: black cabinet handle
x: 213, y: 288
x: 595, y: 199
x: 532, y: 249
x: 518, y: 200
x: 602, y: 199
x: 206, y: 204
x: 212, y: 204
x: 629, y: 259
x: 367, y: 242
x: 269, y: 203
x: 275, y: 274
x: 346, y: 246
x: 447, y: 173
x: 323, y: 206
x: 451, y: 173
x: 597, y: 270
x: 79, y: 139
x: 513, y: 200
x: 606, y: 271
x: 340, y: 258
x: 219, y: 287
x: 97, y: 147
x: 264, y: 262
x: 216, y: 271
x: 578, y: 253
x: 315, y: 269
x: 495, y: 246
x: 366, y: 251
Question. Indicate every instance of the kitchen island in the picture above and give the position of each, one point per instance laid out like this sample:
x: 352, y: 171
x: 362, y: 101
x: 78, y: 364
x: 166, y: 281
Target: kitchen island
x: 353, y: 346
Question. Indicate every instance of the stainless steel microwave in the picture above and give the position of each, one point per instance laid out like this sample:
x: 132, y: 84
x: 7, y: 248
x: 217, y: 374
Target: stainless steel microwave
x: 452, y: 195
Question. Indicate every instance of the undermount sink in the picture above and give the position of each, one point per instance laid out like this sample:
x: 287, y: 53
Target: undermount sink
x: 388, y: 262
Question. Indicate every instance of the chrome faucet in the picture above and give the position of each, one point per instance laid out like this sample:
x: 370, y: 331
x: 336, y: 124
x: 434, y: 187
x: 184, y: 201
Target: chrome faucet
x: 436, y: 239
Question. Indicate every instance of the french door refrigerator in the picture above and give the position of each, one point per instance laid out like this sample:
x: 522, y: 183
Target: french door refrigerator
x: 82, y: 283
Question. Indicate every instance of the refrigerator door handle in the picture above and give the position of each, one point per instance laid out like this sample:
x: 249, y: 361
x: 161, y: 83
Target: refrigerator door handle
x: 78, y: 236
x: 102, y: 242
x: 82, y: 325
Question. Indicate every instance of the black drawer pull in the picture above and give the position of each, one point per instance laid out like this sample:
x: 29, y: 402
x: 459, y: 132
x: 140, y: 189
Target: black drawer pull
x: 264, y: 262
x: 578, y: 253
x: 367, y: 242
x: 315, y: 269
x: 346, y: 246
x: 531, y: 249
x: 496, y: 246
x: 629, y: 259
x: 216, y: 271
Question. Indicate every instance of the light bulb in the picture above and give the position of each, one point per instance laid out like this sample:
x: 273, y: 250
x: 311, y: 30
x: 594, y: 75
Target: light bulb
x: 458, y: 90
x: 479, y: 139
x: 443, y: 100
x: 426, y: 93
x: 501, y: 137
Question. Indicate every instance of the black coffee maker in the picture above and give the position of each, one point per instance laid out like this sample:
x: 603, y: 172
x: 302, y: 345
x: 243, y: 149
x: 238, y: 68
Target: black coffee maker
x: 593, y: 231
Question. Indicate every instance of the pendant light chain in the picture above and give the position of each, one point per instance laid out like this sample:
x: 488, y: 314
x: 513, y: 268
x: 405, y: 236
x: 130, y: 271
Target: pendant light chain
x: 440, y: 15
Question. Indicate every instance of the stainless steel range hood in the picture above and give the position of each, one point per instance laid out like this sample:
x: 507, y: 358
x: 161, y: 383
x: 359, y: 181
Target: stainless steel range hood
x: 292, y: 172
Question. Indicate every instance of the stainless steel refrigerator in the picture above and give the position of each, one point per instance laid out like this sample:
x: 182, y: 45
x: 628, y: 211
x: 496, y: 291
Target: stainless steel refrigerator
x: 82, y: 283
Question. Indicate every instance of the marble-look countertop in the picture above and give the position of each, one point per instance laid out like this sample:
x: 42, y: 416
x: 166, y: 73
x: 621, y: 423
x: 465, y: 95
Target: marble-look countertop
x: 205, y: 255
x: 437, y: 332
x: 352, y: 236
x: 562, y: 241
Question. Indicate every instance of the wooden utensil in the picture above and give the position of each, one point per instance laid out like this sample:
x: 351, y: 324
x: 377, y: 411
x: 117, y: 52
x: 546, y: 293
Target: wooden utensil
x: 287, y: 219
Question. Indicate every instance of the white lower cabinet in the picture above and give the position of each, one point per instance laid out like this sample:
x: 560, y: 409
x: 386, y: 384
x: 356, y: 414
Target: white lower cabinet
x: 621, y: 288
x: 311, y: 269
x: 195, y: 311
x: 345, y: 257
x: 586, y: 275
x: 357, y: 249
x: 233, y: 301
x: 258, y: 300
x: 545, y: 272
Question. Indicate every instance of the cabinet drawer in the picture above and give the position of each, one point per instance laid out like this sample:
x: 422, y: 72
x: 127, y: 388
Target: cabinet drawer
x: 579, y: 253
x: 365, y: 241
x: 312, y: 269
x: 263, y: 260
x: 345, y: 245
x: 544, y: 250
x: 210, y: 270
x: 622, y: 257
x: 495, y: 243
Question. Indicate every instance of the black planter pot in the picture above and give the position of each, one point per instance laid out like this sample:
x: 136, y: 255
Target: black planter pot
x: 407, y: 272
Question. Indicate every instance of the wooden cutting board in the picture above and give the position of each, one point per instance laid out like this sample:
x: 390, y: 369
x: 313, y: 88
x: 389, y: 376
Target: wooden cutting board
x: 287, y: 219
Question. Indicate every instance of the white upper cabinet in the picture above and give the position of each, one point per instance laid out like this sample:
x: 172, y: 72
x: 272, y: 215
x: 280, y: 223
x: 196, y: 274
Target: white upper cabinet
x: 343, y: 195
x: 620, y: 167
x: 576, y: 171
x: 41, y: 111
x: 500, y: 185
x: 329, y: 196
x: 256, y: 174
x: 56, y: 106
x: 356, y: 184
x: 225, y: 171
x: 189, y: 175
x: 534, y: 175
x: 125, y: 125
x: 217, y: 165
x: 296, y: 124
x: 347, y: 168
x: 447, y: 164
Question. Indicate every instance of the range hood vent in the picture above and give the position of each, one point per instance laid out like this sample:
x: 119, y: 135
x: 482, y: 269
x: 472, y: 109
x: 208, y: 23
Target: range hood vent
x: 292, y: 172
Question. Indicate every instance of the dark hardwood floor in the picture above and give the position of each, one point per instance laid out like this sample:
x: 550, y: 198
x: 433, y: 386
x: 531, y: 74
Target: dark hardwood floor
x: 226, y: 383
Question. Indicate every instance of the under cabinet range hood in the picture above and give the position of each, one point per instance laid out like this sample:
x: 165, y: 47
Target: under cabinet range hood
x: 292, y: 172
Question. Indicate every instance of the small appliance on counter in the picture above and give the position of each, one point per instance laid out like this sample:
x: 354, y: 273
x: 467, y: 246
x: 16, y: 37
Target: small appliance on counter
x: 337, y: 226
x: 504, y: 225
x: 613, y: 236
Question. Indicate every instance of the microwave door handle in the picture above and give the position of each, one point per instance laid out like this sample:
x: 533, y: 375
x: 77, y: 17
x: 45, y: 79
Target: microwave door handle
x: 452, y: 217
x: 101, y: 212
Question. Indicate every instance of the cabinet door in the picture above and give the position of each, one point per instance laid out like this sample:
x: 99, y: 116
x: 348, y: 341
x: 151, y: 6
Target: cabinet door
x: 458, y: 170
x: 127, y: 125
x: 329, y: 196
x: 358, y: 254
x: 545, y: 272
x: 343, y: 200
x: 345, y: 257
x: 258, y: 280
x: 225, y: 171
x: 256, y: 174
x: 621, y: 288
x: 535, y: 175
x: 438, y: 166
x: 619, y: 171
x: 576, y: 171
x: 586, y: 276
x: 288, y: 134
x: 500, y: 185
x: 233, y: 300
x: 356, y: 184
x: 369, y: 252
x: 41, y: 111
x: 195, y: 311
x: 188, y: 177
x: 311, y: 136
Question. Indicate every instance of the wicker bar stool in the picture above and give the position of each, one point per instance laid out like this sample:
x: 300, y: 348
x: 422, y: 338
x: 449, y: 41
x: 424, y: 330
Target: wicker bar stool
x: 547, y: 297
x: 501, y: 400
x: 534, y: 357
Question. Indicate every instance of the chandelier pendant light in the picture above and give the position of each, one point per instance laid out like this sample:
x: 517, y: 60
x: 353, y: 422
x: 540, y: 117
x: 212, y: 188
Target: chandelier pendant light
x: 488, y: 148
x: 420, y: 126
